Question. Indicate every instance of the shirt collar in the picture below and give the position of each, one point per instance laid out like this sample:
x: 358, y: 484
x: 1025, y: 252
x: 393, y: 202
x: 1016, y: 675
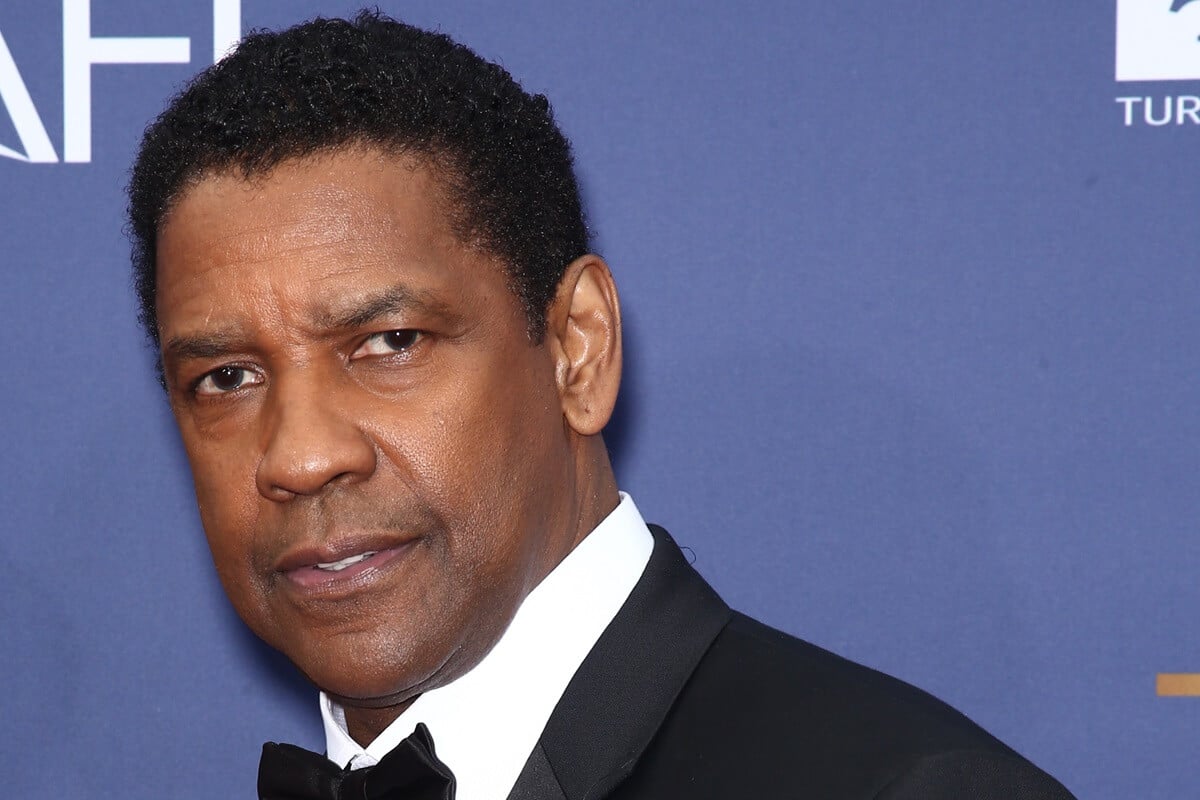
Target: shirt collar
x: 485, y: 723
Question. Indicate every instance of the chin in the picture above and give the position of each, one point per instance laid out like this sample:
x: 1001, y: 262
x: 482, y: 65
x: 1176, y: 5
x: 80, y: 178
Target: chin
x: 361, y: 676
x: 370, y: 697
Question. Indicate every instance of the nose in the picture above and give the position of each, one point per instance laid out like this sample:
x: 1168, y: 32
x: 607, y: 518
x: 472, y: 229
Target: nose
x: 311, y: 442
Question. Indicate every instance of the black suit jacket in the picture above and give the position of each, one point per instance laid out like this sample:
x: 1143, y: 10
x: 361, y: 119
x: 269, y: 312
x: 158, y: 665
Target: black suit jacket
x: 684, y: 698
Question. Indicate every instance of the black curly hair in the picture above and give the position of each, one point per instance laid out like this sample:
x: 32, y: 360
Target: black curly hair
x: 372, y: 81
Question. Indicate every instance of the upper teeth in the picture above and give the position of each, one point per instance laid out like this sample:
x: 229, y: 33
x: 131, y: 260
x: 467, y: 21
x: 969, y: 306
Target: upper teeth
x: 335, y: 566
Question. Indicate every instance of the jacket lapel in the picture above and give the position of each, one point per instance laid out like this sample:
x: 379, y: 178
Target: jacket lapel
x: 537, y: 780
x: 623, y: 690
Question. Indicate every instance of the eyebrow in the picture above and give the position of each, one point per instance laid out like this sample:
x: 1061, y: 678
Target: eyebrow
x: 206, y: 345
x: 363, y: 311
x: 397, y: 299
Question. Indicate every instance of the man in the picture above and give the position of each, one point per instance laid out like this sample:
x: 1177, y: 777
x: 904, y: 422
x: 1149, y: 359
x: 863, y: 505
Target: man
x: 391, y: 354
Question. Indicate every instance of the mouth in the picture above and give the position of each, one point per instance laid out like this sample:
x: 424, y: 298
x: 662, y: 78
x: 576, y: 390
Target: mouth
x: 339, y: 570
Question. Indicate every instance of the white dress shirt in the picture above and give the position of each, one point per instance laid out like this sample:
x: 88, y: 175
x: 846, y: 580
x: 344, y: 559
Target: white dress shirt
x: 486, y: 723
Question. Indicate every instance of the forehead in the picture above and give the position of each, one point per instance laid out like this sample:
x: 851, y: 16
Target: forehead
x: 308, y: 232
x: 329, y: 199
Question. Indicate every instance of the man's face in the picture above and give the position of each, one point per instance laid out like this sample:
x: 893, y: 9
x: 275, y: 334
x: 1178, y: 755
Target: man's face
x: 379, y: 451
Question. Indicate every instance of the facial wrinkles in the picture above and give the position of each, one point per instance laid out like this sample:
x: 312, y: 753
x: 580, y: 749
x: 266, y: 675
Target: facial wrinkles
x: 463, y: 440
x: 245, y: 308
x: 327, y: 219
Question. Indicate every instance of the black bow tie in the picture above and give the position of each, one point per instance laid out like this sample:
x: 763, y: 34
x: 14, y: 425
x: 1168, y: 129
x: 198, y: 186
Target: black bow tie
x: 409, y: 772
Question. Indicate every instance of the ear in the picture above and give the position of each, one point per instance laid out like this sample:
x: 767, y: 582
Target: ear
x: 584, y: 332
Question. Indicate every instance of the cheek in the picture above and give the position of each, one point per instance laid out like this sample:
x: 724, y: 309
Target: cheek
x: 226, y: 497
x: 517, y: 448
x: 476, y: 452
x: 222, y: 466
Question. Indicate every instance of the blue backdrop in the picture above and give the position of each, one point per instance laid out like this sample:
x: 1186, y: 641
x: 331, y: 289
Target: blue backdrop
x: 912, y: 298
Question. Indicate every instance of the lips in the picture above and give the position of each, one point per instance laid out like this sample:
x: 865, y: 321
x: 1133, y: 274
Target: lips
x: 340, y: 566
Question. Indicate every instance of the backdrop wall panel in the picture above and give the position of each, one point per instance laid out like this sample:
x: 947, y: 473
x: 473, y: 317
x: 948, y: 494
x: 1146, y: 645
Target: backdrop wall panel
x: 912, y: 298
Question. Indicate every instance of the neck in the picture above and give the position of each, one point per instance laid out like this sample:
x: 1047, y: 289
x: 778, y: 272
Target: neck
x: 595, y: 497
x: 365, y: 724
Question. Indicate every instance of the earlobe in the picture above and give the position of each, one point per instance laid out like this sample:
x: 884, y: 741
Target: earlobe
x: 585, y: 326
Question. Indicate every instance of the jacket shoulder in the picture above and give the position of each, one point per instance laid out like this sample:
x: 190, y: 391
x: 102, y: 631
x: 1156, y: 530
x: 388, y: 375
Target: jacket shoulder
x: 768, y: 713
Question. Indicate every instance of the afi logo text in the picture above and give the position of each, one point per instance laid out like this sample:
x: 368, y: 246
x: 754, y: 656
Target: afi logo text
x: 1157, y: 40
x: 81, y: 50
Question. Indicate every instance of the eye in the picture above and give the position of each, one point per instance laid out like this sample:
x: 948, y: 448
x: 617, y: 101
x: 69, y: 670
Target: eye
x: 388, y: 343
x: 226, y: 379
